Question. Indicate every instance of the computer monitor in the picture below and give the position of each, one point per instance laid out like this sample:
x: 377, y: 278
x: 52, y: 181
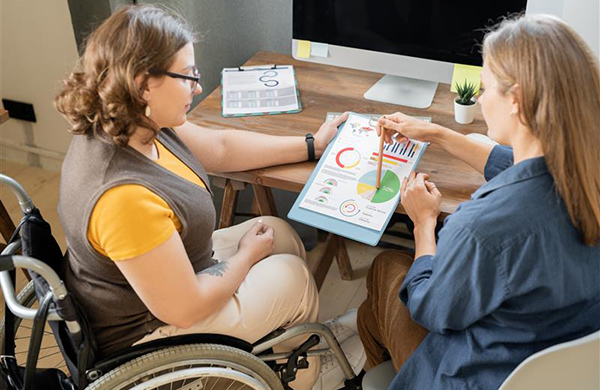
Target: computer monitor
x: 415, y: 43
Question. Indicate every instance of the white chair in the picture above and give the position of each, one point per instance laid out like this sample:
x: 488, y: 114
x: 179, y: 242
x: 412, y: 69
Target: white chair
x: 571, y: 365
x: 379, y: 377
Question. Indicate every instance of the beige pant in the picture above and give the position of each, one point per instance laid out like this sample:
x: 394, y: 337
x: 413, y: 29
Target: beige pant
x: 279, y: 291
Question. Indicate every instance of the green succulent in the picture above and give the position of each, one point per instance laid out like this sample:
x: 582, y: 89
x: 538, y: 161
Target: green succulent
x: 466, y: 91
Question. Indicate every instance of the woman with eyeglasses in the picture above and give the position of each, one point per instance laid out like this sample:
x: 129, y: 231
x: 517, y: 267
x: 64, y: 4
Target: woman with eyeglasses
x: 137, y: 209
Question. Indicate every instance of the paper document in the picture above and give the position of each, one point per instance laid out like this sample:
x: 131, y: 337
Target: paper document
x: 375, y: 117
x: 344, y: 186
x: 259, y: 90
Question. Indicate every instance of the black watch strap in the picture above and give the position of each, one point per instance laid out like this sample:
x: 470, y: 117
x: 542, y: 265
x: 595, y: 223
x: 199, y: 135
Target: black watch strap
x: 310, y: 144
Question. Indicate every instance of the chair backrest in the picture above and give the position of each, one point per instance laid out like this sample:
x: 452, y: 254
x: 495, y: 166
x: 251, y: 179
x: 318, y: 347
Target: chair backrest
x: 78, y: 349
x: 571, y: 365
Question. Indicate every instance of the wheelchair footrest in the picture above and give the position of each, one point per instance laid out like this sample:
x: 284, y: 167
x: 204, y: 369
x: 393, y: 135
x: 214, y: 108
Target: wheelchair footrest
x: 354, y: 383
x: 296, y: 361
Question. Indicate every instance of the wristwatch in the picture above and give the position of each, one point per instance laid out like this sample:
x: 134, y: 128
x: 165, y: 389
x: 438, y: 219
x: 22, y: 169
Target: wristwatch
x: 310, y: 144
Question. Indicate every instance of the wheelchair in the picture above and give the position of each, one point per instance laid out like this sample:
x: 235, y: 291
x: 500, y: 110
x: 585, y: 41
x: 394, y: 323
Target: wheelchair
x: 59, y: 327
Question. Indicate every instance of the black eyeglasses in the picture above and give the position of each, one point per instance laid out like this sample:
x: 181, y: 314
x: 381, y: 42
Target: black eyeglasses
x: 194, y: 78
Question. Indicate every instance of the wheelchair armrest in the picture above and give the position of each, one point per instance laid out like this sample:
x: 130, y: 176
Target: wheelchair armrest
x: 118, y: 358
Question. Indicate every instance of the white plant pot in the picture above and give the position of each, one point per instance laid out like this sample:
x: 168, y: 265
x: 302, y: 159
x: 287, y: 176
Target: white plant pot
x: 464, y: 114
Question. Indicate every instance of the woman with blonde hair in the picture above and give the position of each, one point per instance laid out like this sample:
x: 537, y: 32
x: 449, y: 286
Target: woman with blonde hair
x: 137, y: 208
x: 516, y: 269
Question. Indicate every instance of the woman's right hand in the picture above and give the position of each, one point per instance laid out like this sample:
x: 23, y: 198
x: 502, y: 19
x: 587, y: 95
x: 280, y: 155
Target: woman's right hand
x: 406, y: 127
x: 257, y: 243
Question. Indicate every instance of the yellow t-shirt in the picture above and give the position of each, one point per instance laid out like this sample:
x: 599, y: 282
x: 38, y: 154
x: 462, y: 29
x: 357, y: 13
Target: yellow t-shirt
x: 130, y: 220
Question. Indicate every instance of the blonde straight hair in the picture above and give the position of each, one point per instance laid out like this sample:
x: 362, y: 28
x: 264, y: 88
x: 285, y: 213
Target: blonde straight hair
x: 559, y: 83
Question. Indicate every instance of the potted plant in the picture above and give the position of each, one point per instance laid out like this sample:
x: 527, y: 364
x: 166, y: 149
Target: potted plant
x: 465, y: 103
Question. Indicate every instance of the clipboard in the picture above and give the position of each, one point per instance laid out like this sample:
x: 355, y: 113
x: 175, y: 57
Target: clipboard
x: 259, y: 90
x: 334, y: 225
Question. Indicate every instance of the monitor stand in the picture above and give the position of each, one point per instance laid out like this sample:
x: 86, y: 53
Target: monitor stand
x: 403, y: 91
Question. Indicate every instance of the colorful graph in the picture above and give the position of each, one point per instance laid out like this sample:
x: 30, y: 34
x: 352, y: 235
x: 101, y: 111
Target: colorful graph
x: 388, y: 189
x: 389, y: 159
x: 331, y: 182
x: 349, y: 208
x: 325, y: 190
x: 321, y: 199
x: 347, y: 158
x: 406, y: 148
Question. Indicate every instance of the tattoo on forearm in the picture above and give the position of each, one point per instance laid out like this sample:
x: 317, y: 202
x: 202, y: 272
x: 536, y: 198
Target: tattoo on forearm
x: 216, y: 270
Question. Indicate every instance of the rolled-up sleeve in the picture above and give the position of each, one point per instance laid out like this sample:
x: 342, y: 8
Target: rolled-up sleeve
x: 499, y: 159
x: 458, y: 286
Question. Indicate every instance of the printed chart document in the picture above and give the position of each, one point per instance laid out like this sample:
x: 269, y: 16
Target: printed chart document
x: 269, y: 89
x: 343, y: 186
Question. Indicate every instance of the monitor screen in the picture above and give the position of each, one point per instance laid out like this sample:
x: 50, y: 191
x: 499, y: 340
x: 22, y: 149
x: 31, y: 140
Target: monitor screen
x: 443, y: 30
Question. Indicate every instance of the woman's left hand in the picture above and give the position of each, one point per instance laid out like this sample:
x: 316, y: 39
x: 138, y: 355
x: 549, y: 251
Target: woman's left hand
x: 326, y: 132
x: 421, y: 199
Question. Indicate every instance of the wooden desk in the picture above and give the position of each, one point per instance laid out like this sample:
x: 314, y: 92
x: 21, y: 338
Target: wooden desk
x: 322, y: 89
x: 3, y: 115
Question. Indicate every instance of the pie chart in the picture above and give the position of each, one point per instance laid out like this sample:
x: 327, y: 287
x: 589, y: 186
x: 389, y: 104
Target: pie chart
x: 390, y: 185
x: 347, y: 158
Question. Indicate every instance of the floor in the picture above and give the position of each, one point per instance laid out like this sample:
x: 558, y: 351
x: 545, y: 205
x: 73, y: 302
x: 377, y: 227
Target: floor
x: 336, y: 295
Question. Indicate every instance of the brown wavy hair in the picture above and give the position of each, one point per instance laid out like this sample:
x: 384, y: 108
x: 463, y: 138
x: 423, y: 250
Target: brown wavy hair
x: 101, y: 97
x: 559, y: 80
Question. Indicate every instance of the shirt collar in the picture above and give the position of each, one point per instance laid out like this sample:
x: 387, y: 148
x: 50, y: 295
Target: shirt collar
x: 525, y: 170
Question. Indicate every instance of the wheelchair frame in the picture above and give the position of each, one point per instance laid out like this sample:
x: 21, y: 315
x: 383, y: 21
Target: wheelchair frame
x: 294, y: 360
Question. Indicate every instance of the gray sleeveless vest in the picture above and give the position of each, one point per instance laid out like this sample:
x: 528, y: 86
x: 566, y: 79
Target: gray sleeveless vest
x: 117, y: 315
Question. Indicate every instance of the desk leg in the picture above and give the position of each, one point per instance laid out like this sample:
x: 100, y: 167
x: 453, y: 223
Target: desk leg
x: 321, y: 266
x: 263, y: 197
x: 230, y: 197
x: 335, y: 246
x: 7, y: 227
x: 343, y: 260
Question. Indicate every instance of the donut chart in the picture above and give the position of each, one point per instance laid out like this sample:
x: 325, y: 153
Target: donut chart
x: 389, y: 188
x: 347, y: 158
x: 349, y: 208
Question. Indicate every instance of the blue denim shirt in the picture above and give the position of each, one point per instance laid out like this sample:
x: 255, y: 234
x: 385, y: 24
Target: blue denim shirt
x: 511, y: 277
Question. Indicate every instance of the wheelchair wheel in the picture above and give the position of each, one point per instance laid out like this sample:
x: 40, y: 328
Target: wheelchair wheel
x: 192, y: 366
x: 50, y: 356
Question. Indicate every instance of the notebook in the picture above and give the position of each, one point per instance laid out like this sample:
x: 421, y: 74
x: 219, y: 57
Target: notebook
x: 259, y: 90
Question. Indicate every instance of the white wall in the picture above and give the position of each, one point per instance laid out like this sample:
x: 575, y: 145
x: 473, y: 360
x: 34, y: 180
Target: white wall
x: 233, y: 31
x: 582, y: 15
x: 38, y: 50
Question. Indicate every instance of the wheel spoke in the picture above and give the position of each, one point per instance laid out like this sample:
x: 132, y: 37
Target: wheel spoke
x: 214, y: 384
x: 48, y: 347
x: 229, y: 387
x: 48, y: 355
